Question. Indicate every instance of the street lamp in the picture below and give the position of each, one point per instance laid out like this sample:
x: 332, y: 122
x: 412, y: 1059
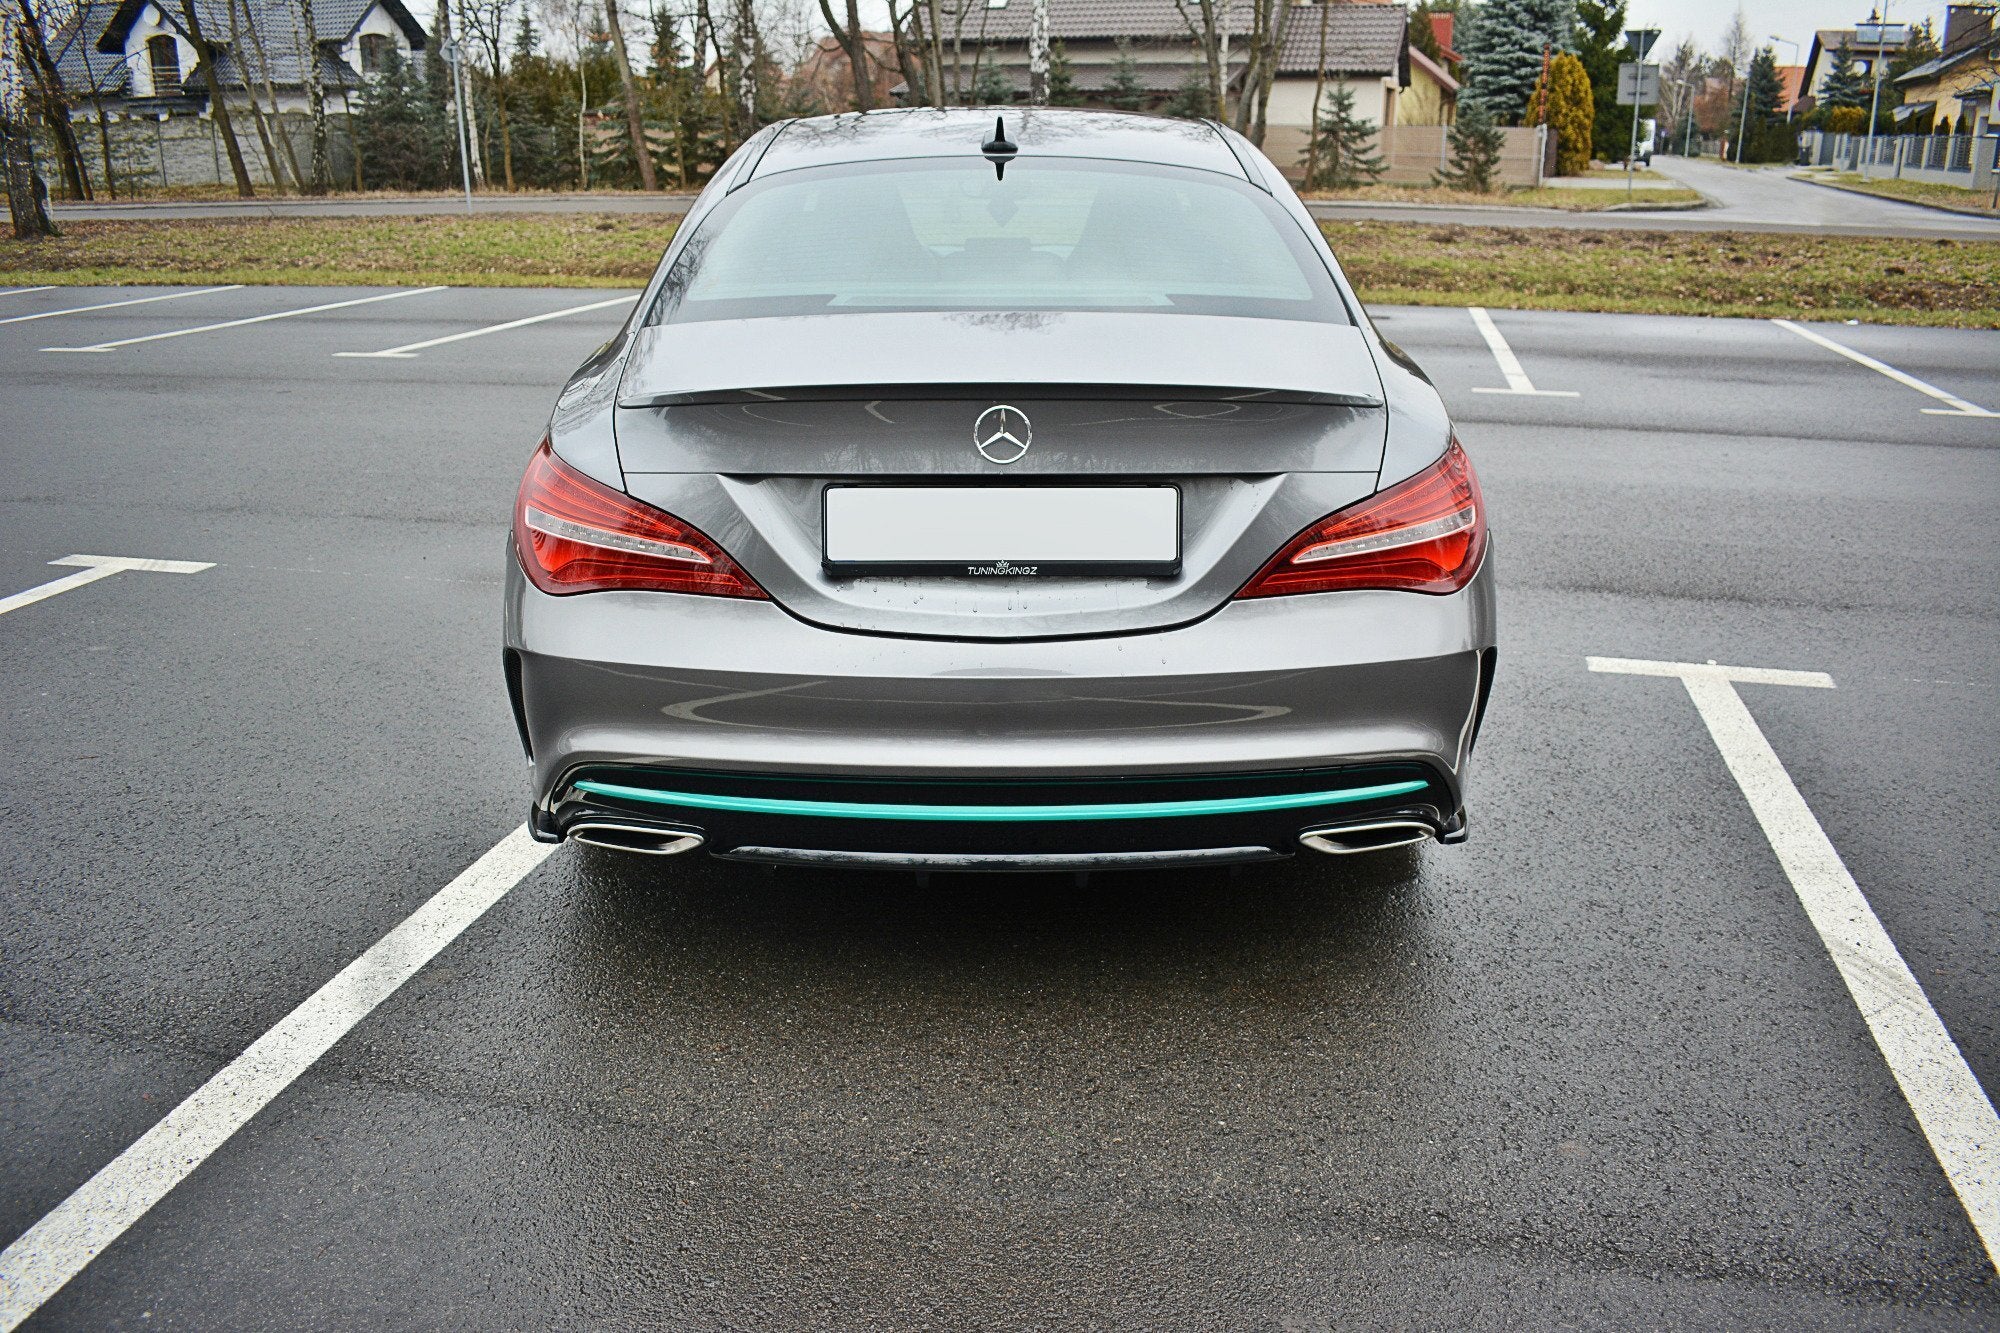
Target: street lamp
x: 1881, y: 36
x: 1793, y: 102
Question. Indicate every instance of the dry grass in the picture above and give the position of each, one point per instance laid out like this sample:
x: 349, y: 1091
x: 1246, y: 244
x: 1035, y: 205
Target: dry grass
x: 1916, y: 192
x: 1578, y: 199
x: 1878, y: 280
x: 1885, y: 280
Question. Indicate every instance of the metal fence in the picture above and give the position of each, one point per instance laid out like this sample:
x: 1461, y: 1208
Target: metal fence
x: 1942, y: 159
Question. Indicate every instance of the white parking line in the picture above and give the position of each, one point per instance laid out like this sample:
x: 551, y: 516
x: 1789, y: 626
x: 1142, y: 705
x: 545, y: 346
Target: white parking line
x: 112, y: 305
x: 78, y: 1229
x: 254, y: 319
x: 23, y: 291
x: 1958, y: 407
x: 96, y: 567
x: 1953, y: 1110
x: 411, y: 349
x: 1510, y: 365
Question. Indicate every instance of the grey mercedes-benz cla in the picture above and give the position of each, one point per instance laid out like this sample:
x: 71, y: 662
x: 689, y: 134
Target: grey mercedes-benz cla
x: 999, y: 496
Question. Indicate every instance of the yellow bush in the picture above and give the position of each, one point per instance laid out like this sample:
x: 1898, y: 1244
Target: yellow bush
x: 1846, y: 120
x: 1570, y: 111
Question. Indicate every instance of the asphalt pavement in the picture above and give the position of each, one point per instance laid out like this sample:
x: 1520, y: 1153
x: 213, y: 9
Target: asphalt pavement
x: 1594, y: 1068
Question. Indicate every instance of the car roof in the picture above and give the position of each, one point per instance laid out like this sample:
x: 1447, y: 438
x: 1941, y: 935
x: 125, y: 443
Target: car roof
x: 906, y: 132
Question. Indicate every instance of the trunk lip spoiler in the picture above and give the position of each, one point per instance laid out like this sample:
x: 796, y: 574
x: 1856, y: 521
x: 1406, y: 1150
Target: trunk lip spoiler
x: 974, y: 391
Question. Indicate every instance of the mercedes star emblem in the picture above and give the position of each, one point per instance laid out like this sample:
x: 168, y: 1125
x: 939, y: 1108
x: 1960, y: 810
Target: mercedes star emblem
x: 1002, y: 434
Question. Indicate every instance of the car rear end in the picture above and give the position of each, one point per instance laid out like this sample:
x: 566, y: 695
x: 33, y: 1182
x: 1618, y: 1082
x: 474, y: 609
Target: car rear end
x: 1048, y: 513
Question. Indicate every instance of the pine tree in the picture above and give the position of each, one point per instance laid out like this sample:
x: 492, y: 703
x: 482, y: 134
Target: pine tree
x: 1345, y: 149
x: 527, y: 42
x: 1503, y: 50
x: 403, y: 137
x: 1190, y: 98
x: 1475, y: 151
x: 1845, y: 85
x: 1062, y: 78
x: 1567, y: 106
x: 1123, y: 89
x: 1601, y: 47
x: 992, y: 87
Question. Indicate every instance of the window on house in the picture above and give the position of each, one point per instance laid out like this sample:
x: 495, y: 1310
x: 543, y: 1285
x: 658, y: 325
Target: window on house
x: 165, y: 58
x: 375, y: 49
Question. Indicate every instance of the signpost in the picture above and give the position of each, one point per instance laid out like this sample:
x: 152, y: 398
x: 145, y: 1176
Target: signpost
x: 450, y: 53
x: 1638, y: 85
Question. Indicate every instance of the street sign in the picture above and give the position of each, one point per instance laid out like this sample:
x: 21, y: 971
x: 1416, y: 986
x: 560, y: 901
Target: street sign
x: 1638, y: 85
x: 1639, y: 41
x: 448, y: 52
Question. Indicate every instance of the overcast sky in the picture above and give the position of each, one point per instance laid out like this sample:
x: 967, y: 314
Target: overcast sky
x: 1794, y: 20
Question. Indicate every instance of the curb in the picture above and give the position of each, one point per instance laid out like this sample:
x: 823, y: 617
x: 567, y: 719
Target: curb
x: 1986, y: 213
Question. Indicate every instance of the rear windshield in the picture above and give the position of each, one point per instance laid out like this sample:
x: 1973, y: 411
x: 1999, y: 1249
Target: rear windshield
x: 947, y: 235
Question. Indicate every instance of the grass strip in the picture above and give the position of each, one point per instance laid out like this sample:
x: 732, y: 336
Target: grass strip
x: 1878, y: 280
x: 1592, y: 198
x: 1954, y: 197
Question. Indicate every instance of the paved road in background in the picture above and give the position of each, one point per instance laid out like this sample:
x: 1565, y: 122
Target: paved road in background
x: 1748, y: 200
x: 1763, y: 196
x: 1593, y: 1068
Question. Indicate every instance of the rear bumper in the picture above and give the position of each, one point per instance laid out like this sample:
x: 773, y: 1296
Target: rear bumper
x: 1229, y: 738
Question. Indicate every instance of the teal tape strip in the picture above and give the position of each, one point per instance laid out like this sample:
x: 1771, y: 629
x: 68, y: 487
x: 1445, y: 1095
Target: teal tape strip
x: 997, y: 814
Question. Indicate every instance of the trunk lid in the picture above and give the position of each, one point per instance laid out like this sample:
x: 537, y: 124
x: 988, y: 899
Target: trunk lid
x: 1262, y: 425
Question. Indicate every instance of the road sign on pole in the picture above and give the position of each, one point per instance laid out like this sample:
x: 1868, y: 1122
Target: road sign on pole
x: 1638, y: 85
x: 1639, y: 41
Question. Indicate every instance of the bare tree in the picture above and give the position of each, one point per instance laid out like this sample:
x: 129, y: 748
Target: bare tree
x: 853, y: 43
x: 633, y: 121
x: 1038, y: 54
x: 218, y: 105
x: 27, y: 197
x: 1319, y: 91
x: 1269, y: 22
x: 53, y: 99
x: 305, y: 43
x: 1207, y: 23
x: 1680, y: 78
x: 486, y: 22
x: 238, y: 22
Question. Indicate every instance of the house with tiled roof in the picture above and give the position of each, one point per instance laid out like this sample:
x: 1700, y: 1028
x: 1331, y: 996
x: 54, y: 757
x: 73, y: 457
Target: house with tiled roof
x: 1367, y: 50
x: 124, y: 58
x: 1962, y: 84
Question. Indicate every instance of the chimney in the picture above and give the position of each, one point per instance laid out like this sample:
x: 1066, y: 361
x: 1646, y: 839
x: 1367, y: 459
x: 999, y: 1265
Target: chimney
x: 1966, y: 25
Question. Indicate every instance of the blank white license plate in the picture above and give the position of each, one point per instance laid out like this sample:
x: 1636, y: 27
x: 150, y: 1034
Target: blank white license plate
x: 1003, y: 531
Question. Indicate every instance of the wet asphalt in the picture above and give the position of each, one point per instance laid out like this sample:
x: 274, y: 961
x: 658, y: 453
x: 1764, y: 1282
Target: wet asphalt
x: 1591, y: 1069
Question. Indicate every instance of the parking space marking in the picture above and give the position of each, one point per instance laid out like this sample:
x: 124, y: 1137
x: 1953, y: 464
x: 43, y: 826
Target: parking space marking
x: 1510, y: 365
x: 254, y: 319
x: 1954, y: 1111
x: 23, y: 291
x: 95, y: 567
x: 58, y: 1247
x: 411, y: 349
x: 112, y: 305
x: 1958, y: 407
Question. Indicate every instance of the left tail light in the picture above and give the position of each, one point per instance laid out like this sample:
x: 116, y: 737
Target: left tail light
x: 1425, y: 534
x: 577, y: 535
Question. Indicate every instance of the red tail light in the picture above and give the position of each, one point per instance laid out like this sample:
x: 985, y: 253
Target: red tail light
x: 1422, y: 535
x: 575, y: 535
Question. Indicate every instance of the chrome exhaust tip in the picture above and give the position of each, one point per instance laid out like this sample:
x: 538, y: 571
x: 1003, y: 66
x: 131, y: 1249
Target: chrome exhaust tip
x: 1378, y: 836
x: 645, y: 839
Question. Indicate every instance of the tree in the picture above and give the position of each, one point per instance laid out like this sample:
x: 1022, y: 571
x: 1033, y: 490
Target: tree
x: 1342, y: 153
x: 218, y: 105
x: 306, y: 41
x: 1681, y: 76
x: 1503, y: 48
x: 1209, y: 24
x: 1475, y: 151
x: 634, y: 124
x: 51, y: 97
x: 1270, y: 20
x: 854, y: 46
x: 399, y: 133
x: 1601, y: 47
x: 27, y: 197
x: 1424, y: 38
x: 1767, y: 137
x: 1190, y: 99
x: 1062, y: 78
x: 1845, y: 84
x: 1122, y: 90
x: 990, y: 85
x: 1565, y: 103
